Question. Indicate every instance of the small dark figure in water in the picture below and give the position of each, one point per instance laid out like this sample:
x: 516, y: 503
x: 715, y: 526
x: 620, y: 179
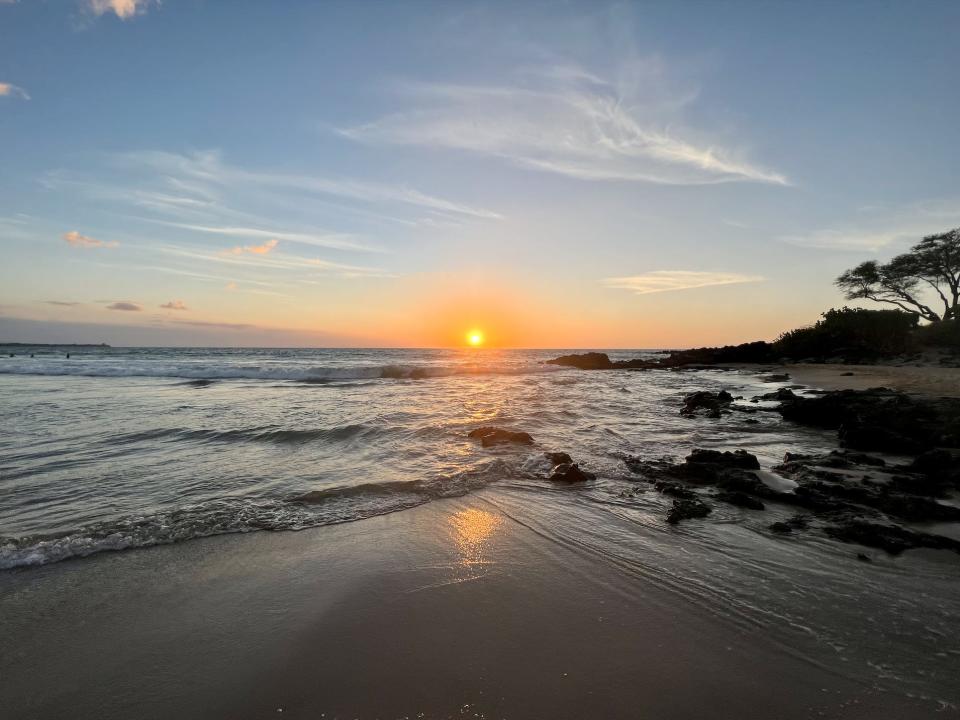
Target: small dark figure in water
x: 11, y: 354
x: 68, y: 356
x: 31, y: 354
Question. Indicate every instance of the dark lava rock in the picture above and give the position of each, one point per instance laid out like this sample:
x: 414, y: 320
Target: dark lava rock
x: 710, y: 404
x: 570, y: 473
x: 863, y: 557
x: 755, y: 352
x: 557, y: 458
x: 776, y: 377
x: 674, y: 489
x: 740, y: 499
x: 892, y: 538
x: 798, y: 522
x: 601, y: 361
x: 737, y: 459
x: 781, y: 395
x: 684, y: 509
x: 495, y: 436
x: 880, y: 419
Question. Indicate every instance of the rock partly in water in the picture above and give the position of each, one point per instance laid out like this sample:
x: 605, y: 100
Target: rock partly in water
x: 557, y: 458
x: 497, y: 436
x: 736, y: 459
x: 687, y: 508
x: 740, y: 499
x: 891, y: 538
x: 880, y: 419
x: 570, y: 473
x: 706, y: 403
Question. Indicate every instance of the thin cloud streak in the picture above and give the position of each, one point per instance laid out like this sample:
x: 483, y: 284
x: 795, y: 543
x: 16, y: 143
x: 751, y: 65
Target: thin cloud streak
x: 333, y: 241
x: 207, y: 169
x: 572, y: 123
x: 672, y: 280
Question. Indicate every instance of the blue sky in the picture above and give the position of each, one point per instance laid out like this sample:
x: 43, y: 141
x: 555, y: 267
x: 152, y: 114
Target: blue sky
x: 560, y: 174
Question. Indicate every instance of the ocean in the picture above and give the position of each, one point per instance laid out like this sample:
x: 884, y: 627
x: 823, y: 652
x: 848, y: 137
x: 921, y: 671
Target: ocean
x: 117, y: 449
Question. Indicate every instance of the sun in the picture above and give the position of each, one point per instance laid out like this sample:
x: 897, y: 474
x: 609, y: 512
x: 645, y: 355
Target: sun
x: 475, y: 338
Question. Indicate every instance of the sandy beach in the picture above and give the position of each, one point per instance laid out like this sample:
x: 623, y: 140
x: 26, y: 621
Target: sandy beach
x: 914, y: 379
x: 449, y: 610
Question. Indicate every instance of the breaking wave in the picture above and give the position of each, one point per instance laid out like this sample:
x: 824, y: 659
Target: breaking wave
x: 326, y: 506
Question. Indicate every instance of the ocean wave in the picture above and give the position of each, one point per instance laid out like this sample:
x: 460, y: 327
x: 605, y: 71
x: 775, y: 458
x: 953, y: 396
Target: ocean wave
x: 261, y: 434
x: 326, y: 506
x: 202, y: 375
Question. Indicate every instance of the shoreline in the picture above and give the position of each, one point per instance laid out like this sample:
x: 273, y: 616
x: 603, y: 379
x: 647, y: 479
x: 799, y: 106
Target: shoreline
x: 448, y: 609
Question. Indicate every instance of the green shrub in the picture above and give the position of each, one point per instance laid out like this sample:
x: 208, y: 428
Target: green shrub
x: 851, y: 333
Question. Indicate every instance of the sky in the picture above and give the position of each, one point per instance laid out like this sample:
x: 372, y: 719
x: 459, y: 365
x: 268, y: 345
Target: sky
x: 552, y: 174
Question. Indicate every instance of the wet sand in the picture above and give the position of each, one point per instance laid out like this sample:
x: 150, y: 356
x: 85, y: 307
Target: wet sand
x: 448, y: 610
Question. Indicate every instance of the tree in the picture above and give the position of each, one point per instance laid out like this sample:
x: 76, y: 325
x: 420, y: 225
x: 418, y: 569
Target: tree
x: 933, y: 264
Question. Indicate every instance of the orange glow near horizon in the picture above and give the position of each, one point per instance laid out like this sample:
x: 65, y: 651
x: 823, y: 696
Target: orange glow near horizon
x: 475, y: 338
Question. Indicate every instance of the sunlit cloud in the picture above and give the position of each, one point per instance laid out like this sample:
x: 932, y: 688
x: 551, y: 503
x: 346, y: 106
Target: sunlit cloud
x: 124, y: 306
x: 174, y: 305
x: 878, y: 228
x: 671, y: 280
x: 263, y: 249
x: 11, y: 90
x: 568, y: 121
x: 75, y: 239
x: 231, y: 286
x: 123, y: 9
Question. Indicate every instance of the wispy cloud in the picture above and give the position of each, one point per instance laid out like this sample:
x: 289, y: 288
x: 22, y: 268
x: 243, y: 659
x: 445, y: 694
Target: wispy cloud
x: 125, y: 306
x: 877, y: 228
x: 123, y: 9
x: 670, y: 280
x: 61, y: 303
x: 174, y: 305
x: 207, y: 170
x: 565, y: 120
x: 333, y: 241
x: 75, y: 239
x: 11, y: 90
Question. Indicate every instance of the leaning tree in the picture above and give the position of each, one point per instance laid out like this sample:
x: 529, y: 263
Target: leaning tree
x: 931, y: 267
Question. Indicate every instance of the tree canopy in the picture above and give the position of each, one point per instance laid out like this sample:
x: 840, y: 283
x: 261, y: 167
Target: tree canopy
x: 931, y: 267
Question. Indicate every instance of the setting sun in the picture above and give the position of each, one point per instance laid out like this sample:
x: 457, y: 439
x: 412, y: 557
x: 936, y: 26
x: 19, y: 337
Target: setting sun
x: 475, y: 338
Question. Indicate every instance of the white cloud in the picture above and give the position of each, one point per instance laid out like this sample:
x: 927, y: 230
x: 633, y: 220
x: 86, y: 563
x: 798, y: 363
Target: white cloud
x: 11, y: 90
x: 567, y: 121
x: 123, y: 9
x: 878, y: 228
x: 671, y: 280
x: 75, y: 239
